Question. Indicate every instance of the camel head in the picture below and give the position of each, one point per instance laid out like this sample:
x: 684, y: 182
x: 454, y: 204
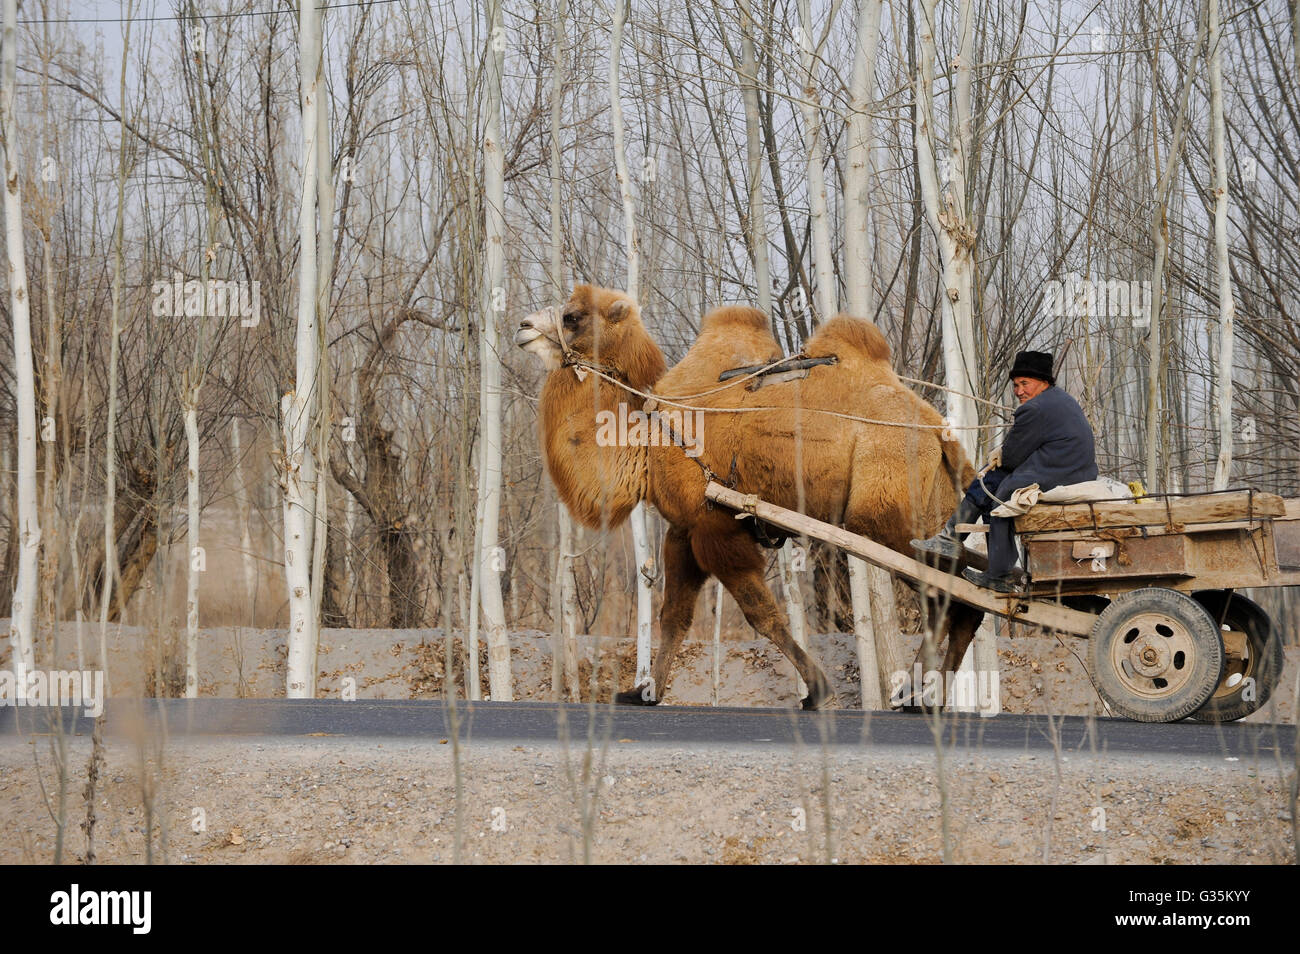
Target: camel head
x: 599, y: 481
x: 599, y: 325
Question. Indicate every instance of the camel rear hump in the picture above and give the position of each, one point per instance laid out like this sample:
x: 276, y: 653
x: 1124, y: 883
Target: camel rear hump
x: 845, y: 331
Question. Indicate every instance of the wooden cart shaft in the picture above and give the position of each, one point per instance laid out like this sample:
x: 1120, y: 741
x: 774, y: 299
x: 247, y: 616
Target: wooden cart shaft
x: 1018, y: 608
x: 1224, y: 555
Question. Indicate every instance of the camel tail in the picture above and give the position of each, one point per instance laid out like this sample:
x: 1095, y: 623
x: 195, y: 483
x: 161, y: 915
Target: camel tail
x: 957, y: 465
x: 845, y: 331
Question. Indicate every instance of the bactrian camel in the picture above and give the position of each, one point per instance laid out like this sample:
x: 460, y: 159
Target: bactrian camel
x: 889, y: 483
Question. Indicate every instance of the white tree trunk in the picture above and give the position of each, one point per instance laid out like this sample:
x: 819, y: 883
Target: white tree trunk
x: 645, y: 574
x: 190, y: 406
x: 859, y: 253
x: 717, y: 640
x: 865, y: 633
x: 620, y: 153
x: 859, y: 249
x: 948, y: 218
x: 298, y: 406
x: 565, y: 611
x: 1223, y: 470
x: 641, y: 549
x: 793, y: 604
x: 351, y: 560
x: 884, y: 624
x: 242, y: 515
x: 474, y: 690
x: 875, y: 623
x: 827, y: 294
x: 490, y: 562
x: 754, y: 160
x: 111, y: 570
x: 987, y: 666
x: 1160, y: 242
x: 324, y: 388
x: 22, y: 623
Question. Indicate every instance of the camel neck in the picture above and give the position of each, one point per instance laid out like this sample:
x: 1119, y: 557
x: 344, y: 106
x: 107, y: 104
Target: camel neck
x: 593, y: 449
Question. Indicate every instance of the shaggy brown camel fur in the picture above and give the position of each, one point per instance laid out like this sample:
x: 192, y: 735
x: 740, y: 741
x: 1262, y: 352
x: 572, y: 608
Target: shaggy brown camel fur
x: 890, y: 483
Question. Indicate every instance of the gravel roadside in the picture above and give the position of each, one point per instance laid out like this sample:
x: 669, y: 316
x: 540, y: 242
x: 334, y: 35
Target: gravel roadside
x: 360, y: 801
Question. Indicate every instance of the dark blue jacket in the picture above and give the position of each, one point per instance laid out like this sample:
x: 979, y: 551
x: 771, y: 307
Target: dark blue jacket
x: 1049, y: 444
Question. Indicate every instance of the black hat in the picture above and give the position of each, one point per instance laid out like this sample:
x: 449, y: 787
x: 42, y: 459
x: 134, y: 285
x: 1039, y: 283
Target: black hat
x: 1033, y: 364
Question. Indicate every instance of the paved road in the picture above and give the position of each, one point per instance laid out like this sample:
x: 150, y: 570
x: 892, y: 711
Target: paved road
x: 539, y: 722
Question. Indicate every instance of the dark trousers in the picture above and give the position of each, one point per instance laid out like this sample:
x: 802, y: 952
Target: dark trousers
x: 1002, y: 536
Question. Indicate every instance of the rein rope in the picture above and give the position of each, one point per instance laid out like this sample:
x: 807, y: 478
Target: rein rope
x: 571, y: 359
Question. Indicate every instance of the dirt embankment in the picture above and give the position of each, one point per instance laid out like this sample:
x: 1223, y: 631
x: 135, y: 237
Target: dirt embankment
x: 1038, y: 674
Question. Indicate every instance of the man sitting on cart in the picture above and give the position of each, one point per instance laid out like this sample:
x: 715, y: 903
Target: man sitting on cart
x: 1050, y: 444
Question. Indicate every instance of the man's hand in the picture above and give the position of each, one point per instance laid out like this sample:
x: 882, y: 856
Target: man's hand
x: 995, y: 459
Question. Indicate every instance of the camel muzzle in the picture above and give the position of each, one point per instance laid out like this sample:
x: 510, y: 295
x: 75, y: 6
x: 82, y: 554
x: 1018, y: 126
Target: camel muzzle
x: 537, y: 335
x: 526, y: 336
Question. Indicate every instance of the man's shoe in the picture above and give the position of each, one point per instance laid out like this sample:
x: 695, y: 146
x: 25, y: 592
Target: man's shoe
x: 1014, y: 581
x: 950, y: 548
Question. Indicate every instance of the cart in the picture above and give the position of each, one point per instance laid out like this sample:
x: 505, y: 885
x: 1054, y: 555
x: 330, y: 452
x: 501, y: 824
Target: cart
x: 1151, y: 583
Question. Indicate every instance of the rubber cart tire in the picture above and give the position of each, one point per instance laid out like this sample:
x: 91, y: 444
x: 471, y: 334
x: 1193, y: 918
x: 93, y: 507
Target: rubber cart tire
x: 1257, y: 673
x: 1156, y: 655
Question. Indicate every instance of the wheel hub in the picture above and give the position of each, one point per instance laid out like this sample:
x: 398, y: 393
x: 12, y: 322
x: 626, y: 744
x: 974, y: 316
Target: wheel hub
x: 1155, y: 654
x: 1149, y: 655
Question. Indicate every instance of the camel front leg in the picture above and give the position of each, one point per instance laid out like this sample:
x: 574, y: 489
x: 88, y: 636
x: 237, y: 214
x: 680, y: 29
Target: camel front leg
x: 683, y: 580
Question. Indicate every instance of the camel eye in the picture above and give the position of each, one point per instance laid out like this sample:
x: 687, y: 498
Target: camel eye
x: 570, y: 319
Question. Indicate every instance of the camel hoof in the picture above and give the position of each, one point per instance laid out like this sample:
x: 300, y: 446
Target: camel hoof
x: 634, y: 698
x: 815, y: 700
x: 915, y: 706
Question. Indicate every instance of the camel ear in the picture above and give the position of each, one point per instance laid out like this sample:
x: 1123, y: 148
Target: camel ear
x: 618, y: 310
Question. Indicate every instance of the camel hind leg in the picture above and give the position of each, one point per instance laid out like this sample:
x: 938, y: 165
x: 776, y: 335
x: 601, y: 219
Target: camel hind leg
x: 898, y: 493
x: 683, y: 580
x: 962, y: 622
x: 761, y: 610
x: 958, y: 625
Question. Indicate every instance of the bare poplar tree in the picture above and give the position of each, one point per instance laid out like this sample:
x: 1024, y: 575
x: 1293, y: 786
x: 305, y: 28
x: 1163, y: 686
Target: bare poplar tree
x: 819, y: 218
x: 1156, y: 350
x: 493, y: 298
x: 644, y: 555
x: 756, y: 232
x: 110, y: 566
x: 870, y: 587
x: 298, y: 407
x: 564, y: 609
x: 24, y: 602
x: 859, y: 250
x: 1223, y: 469
x: 949, y: 216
